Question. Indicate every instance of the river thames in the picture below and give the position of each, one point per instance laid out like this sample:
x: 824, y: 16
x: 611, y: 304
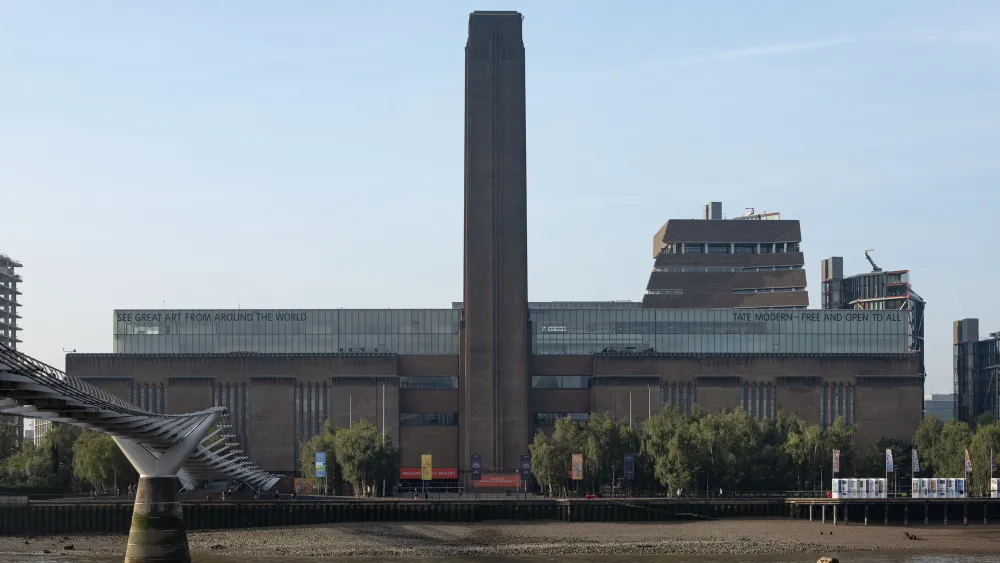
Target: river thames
x: 802, y: 558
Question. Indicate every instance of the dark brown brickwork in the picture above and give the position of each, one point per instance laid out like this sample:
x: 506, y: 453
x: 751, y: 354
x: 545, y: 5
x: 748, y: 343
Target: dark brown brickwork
x: 715, y: 289
x: 887, y: 402
x: 272, y: 431
x: 722, y: 264
x: 441, y: 442
x: 495, y: 318
x: 727, y: 230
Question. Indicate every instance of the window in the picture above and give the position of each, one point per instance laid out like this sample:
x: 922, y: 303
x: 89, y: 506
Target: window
x: 428, y: 419
x: 560, y: 381
x: 429, y: 382
x: 718, y: 249
x: 550, y: 418
x: 695, y: 248
x: 665, y: 292
x: 745, y: 248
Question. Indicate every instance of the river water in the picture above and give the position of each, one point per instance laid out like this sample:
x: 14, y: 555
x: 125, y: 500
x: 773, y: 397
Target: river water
x: 804, y: 558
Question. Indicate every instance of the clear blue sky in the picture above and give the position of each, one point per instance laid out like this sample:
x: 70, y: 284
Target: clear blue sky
x: 309, y: 154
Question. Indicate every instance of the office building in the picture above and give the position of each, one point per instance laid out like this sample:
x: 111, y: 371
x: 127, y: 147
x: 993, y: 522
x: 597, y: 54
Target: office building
x: 876, y: 290
x: 9, y: 280
x: 9, y: 329
x: 940, y: 405
x: 42, y: 428
x: 482, y: 376
x: 753, y: 261
x: 977, y: 371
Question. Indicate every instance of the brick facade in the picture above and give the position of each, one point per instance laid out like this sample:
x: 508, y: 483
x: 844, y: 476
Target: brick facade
x: 887, y: 391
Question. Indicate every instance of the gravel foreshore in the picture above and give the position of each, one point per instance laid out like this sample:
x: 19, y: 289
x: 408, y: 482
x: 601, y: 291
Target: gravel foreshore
x: 495, y: 538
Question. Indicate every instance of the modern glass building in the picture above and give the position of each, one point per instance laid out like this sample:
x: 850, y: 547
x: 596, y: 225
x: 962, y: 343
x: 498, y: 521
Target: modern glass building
x: 554, y: 331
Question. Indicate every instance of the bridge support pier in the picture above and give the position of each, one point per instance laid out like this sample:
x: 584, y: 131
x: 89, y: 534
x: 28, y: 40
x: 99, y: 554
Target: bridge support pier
x: 158, y: 532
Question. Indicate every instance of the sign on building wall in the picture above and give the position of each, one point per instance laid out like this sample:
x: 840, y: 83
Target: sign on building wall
x: 426, y: 468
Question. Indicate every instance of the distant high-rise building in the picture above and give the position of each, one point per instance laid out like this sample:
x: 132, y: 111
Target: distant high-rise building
x: 977, y: 371
x: 940, y: 405
x: 752, y: 261
x: 42, y: 428
x: 495, y: 335
x: 9, y: 279
x: 875, y: 291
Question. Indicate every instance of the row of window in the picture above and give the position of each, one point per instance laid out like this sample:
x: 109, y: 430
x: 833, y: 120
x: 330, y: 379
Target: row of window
x: 429, y: 382
x: 152, y: 398
x: 723, y: 269
x: 236, y: 398
x: 731, y: 248
x: 678, y: 395
x: 836, y: 401
x: 550, y: 418
x: 752, y: 290
x: 758, y: 400
x: 312, y: 409
x: 664, y: 292
x: 560, y: 381
x: 428, y: 419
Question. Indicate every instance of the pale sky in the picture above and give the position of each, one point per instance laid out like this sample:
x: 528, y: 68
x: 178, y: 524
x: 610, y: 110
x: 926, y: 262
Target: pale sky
x: 309, y: 154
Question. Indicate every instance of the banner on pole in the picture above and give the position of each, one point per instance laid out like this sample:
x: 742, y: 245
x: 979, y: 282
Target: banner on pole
x: 426, y: 467
x: 525, y: 467
x: 836, y: 461
x: 968, y: 462
x: 889, y: 467
x: 915, y: 461
x: 630, y: 467
x: 320, y: 465
x: 477, y: 467
x: 577, y: 467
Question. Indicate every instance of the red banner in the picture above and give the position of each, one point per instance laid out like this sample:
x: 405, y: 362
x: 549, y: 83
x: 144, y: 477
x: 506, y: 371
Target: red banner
x: 413, y: 473
x: 499, y: 480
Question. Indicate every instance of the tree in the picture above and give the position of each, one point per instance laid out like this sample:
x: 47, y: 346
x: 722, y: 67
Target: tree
x: 366, y: 458
x: 948, y: 455
x: 546, y: 467
x: 8, y: 441
x: 925, y: 439
x: 325, y: 441
x: 985, y: 445
x: 27, y: 469
x: 99, y: 462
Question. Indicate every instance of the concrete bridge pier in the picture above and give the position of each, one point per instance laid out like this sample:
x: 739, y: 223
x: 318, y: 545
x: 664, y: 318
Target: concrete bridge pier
x: 158, y: 533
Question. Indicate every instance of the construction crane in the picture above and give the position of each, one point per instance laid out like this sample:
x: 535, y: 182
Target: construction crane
x: 875, y: 267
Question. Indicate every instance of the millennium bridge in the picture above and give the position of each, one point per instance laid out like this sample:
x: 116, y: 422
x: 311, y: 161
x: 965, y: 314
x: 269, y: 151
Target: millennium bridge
x: 163, y: 448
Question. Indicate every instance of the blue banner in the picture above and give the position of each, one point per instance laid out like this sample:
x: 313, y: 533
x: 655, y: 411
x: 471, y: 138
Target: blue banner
x: 525, y: 467
x: 477, y: 467
x: 320, y: 465
x: 630, y: 466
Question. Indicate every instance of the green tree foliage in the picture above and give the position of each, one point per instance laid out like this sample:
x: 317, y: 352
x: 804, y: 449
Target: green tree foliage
x: 366, y: 458
x: 9, y: 441
x: 984, y: 448
x: 948, y: 455
x: 325, y: 441
x: 100, y: 463
x: 925, y: 439
x: 45, y: 467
